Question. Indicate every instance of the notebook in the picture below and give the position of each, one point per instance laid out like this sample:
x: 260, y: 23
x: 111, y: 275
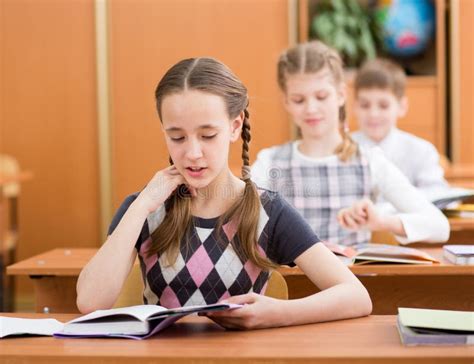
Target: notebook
x: 435, y: 327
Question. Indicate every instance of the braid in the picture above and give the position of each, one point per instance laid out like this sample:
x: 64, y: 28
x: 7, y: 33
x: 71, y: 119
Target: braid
x: 342, y: 114
x: 246, y: 137
x: 348, y: 147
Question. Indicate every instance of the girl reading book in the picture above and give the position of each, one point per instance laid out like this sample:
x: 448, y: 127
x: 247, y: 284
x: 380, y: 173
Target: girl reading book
x: 203, y: 235
x: 325, y: 175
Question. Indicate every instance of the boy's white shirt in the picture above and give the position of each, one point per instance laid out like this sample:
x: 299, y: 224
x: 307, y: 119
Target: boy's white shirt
x: 421, y: 220
x: 417, y: 158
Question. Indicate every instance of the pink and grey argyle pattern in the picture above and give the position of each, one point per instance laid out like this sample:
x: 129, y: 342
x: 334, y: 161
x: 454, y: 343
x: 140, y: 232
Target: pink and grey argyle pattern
x: 207, y: 268
x: 206, y: 271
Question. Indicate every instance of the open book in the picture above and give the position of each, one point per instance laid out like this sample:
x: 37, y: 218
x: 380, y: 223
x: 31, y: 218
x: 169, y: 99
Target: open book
x: 418, y: 326
x: 380, y: 253
x: 134, y: 322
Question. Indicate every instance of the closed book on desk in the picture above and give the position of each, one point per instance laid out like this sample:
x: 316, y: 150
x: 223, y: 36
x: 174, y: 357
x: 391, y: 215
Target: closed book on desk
x: 134, y: 322
x: 441, y: 199
x: 435, y: 327
x: 459, y: 254
x: 462, y: 210
x: 380, y: 253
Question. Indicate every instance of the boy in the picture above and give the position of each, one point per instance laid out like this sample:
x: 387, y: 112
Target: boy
x: 380, y: 102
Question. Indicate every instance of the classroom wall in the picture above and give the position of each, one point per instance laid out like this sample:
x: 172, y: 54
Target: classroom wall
x: 48, y: 120
x: 465, y: 147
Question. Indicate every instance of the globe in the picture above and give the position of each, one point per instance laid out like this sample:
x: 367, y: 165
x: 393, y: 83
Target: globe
x: 409, y: 26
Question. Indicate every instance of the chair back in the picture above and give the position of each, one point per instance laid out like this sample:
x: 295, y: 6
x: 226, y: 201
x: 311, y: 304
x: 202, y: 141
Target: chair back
x: 276, y: 286
x: 9, y: 166
x: 132, y: 290
x: 8, y: 229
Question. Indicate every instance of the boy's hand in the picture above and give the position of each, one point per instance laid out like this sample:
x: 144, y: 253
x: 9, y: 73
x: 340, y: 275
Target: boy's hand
x: 362, y: 214
x: 259, y: 312
x: 160, y: 187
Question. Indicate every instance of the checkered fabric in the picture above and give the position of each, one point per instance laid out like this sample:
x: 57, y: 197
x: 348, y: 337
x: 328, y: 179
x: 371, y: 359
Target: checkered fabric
x: 319, y: 190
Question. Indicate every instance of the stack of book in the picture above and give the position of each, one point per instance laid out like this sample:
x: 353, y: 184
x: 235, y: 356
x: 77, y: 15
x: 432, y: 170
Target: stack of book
x: 459, y: 254
x: 462, y: 210
x: 435, y: 327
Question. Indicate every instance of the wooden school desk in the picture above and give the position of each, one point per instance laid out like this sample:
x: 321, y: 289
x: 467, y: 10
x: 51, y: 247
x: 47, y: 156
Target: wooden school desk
x: 443, y: 286
x: 54, y: 274
x: 194, y: 339
x: 462, y: 230
x: 439, y: 286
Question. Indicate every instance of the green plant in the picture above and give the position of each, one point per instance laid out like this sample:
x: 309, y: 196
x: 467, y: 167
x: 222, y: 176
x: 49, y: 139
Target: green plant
x: 349, y: 27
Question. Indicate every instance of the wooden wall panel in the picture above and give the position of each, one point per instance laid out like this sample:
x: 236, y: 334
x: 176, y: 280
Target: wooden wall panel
x: 48, y: 119
x: 466, y: 63
x: 148, y: 37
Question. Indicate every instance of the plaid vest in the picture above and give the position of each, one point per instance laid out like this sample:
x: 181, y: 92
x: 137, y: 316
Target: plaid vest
x: 319, y: 191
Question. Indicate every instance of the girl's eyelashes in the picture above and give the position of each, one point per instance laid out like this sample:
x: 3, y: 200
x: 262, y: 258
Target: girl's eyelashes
x: 177, y: 139
x: 320, y: 96
x: 297, y: 101
x: 180, y: 139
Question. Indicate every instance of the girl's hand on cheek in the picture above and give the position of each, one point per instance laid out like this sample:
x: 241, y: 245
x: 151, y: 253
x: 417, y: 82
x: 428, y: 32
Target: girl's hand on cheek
x: 160, y: 187
x: 258, y: 312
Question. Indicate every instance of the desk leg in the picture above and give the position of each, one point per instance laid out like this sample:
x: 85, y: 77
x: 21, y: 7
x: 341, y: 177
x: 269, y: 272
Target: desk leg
x: 389, y: 292
x: 57, y: 294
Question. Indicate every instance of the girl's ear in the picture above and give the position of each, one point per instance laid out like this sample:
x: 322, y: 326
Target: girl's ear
x: 236, y: 127
x: 284, y: 100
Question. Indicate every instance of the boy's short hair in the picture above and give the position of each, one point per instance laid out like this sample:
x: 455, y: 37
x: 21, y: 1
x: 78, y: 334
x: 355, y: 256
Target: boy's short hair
x: 381, y: 73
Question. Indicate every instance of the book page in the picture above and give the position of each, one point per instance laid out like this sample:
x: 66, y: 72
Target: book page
x: 18, y: 326
x: 139, y: 312
x: 145, y: 312
x: 392, y: 251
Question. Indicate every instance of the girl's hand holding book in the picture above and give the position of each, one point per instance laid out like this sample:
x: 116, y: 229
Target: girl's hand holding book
x: 258, y: 312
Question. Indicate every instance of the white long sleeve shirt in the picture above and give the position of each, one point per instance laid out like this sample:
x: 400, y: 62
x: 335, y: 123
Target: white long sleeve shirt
x: 421, y: 220
x: 417, y: 158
